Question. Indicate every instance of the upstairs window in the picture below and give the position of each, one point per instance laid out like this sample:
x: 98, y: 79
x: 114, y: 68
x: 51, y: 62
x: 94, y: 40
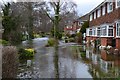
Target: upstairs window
x: 118, y: 29
x: 103, y: 10
x: 98, y: 13
x: 91, y: 17
x: 109, y: 7
x: 94, y: 15
x: 117, y: 3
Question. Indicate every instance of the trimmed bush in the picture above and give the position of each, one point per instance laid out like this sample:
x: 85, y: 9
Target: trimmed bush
x: 9, y: 62
x: 26, y: 53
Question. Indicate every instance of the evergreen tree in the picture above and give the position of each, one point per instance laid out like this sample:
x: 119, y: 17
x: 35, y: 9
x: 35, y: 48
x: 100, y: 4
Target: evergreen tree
x: 10, y: 25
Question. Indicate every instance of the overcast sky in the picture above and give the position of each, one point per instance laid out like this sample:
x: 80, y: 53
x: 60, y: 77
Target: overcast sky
x: 83, y: 6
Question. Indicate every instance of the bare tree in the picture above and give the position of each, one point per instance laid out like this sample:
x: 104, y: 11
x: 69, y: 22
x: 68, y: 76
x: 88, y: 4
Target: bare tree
x: 58, y: 12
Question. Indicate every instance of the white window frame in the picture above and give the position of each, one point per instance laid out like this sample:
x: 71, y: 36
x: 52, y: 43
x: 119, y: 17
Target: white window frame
x: 103, y: 10
x: 117, y: 1
x: 91, y: 17
x: 87, y: 32
x: 93, y: 32
x: 103, y: 34
x: 117, y: 30
x: 98, y: 29
x: 98, y: 13
x: 94, y: 15
x: 90, y: 30
x: 108, y: 30
x: 110, y: 4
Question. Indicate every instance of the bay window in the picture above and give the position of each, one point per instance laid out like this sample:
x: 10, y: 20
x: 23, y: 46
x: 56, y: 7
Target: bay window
x: 118, y: 29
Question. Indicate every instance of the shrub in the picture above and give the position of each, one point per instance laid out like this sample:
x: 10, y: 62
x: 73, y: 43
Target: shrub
x: 9, y: 62
x: 59, y: 35
x: 83, y: 54
x: 79, y: 38
x: 51, y: 42
x: 26, y: 53
x: 71, y: 40
x: 4, y: 42
x: 37, y: 36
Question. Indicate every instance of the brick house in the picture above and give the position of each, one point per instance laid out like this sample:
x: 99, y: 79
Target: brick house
x: 73, y: 28
x: 104, y: 24
x: 83, y: 19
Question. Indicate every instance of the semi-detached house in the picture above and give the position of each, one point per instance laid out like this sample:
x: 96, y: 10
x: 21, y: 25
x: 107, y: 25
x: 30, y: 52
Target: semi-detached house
x: 104, y: 24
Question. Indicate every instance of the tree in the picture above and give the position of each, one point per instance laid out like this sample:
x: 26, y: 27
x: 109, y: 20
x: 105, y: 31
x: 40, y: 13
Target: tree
x: 57, y: 12
x: 84, y: 26
x: 10, y: 25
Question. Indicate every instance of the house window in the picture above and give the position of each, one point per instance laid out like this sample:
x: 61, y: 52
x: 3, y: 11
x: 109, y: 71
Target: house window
x: 117, y: 3
x: 94, y: 31
x: 98, y: 13
x: 87, y: 32
x: 103, y: 10
x: 104, y: 31
x: 94, y: 15
x: 110, y: 7
x: 118, y: 29
x: 110, y: 31
x: 90, y: 32
x: 91, y: 17
x: 98, y: 31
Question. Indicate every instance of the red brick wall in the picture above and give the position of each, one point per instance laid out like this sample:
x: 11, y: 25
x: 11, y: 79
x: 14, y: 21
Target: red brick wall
x: 104, y: 41
x: 118, y: 43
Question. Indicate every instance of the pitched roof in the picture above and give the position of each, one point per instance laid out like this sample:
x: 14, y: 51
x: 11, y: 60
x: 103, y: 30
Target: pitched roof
x: 99, y: 6
x: 84, y: 17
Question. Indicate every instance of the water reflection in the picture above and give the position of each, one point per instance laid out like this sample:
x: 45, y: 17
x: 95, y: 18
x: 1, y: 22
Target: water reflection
x: 103, y: 64
x: 71, y: 62
x: 56, y: 63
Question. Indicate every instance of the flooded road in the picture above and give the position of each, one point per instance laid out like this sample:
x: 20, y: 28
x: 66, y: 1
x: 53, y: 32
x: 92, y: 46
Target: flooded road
x: 69, y: 61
